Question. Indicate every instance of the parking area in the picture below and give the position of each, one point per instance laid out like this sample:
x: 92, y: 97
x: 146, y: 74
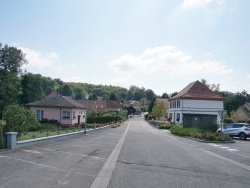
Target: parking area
x: 67, y: 162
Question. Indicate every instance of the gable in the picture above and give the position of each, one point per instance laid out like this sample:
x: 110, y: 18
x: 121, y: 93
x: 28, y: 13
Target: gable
x: 197, y: 91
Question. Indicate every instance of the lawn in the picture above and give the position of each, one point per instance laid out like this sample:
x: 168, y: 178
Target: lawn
x: 48, y: 129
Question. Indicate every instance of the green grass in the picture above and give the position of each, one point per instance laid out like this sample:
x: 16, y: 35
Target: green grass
x: 48, y: 126
x: 46, y: 133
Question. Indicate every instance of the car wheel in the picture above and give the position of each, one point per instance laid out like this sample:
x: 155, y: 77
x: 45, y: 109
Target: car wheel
x: 242, y: 136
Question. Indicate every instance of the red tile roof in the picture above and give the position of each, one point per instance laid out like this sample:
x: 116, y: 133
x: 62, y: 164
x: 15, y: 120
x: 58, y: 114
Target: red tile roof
x: 197, y: 91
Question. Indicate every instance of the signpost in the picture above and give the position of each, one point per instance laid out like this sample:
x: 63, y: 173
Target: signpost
x: 221, y: 114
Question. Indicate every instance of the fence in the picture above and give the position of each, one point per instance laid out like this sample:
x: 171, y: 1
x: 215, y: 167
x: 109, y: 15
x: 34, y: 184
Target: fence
x: 32, y: 137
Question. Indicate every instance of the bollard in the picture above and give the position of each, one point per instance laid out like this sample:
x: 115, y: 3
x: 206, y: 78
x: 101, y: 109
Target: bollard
x: 11, y: 140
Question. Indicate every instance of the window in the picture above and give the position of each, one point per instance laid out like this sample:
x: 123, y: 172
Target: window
x: 66, y: 114
x: 74, y: 114
x: 178, y: 104
x: 39, y: 114
x: 178, y: 117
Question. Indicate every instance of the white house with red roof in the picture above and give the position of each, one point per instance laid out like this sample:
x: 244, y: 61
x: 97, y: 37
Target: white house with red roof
x: 196, y: 105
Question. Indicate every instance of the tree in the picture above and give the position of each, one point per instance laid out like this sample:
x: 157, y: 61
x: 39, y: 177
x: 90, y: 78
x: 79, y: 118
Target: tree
x: 11, y: 60
x: 213, y: 87
x: 150, y: 94
x: 66, y: 90
x: 113, y: 97
x: 159, y: 109
x: 151, y: 105
x: 32, y: 88
x: 19, y: 119
x: 165, y: 96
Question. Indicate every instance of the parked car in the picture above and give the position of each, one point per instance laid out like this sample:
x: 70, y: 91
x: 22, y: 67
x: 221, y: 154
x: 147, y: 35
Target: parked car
x: 242, y: 130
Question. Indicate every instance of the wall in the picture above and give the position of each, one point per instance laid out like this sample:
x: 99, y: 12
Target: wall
x: 197, y: 107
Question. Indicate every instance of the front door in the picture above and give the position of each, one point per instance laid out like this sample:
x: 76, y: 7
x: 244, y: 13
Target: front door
x: 78, y: 117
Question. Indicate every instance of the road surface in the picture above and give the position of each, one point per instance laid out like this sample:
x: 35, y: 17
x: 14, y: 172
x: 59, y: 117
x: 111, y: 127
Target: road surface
x: 134, y: 155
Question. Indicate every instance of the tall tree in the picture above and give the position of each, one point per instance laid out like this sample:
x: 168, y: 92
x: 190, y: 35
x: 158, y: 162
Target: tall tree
x: 159, y: 109
x: 32, y: 88
x: 11, y: 60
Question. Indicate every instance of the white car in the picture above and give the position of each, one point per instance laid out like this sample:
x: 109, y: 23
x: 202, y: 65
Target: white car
x: 242, y: 130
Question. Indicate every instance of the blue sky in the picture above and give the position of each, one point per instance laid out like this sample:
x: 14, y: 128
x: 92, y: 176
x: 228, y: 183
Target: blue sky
x: 157, y: 44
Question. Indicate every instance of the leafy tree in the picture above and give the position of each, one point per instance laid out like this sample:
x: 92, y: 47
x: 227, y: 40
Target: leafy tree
x: 19, y: 119
x: 151, y: 105
x: 65, y: 90
x: 113, y: 97
x: 32, y: 88
x: 213, y: 87
x: 165, y: 96
x: 173, y: 94
x: 159, y: 109
x: 149, y: 94
x: 11, y: 60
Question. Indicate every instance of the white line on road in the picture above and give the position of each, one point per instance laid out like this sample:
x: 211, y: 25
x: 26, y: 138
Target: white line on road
x: 104, y: 176
x: 227, y: 159
x: 232, y: 150
x: 70, y: 153
x: 42, y: 165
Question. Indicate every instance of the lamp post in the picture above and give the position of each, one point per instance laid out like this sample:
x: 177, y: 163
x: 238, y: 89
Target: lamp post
x: 85, y: 125
x: 118, y: 114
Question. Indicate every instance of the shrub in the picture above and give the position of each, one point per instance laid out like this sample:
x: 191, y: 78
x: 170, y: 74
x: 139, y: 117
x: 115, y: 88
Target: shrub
x: 164, y: 126
x: 203, y: 134
x: 228, y: 120
x: 114, y: 126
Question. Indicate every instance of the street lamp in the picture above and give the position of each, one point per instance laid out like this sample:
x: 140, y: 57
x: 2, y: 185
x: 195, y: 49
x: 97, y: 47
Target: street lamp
x: 85, y: 125
x: 118, y: 114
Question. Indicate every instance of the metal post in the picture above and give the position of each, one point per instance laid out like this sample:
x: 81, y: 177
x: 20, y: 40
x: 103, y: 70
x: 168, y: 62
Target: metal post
x: 85, y: 124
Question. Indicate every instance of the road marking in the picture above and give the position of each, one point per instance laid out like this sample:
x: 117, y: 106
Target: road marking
x: 42, y: 165
x: 232, y: 150
x: 70, y: 153
x: 227, y: 159
x: 227, y: 148
x: 32, y: 151
x: 104, y: 176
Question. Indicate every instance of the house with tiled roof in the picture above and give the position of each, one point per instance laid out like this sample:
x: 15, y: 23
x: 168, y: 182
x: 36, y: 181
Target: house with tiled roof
x: 61, y: 108
x: 242, y: 114
x: 196, y: 106
x: 101, y: 106
x: 133, y: 107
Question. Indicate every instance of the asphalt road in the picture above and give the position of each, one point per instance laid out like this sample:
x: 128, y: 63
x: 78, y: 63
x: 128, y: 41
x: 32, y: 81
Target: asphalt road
x: 133, y: 155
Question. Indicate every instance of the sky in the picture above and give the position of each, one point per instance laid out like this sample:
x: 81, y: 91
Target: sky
x: 156, y: 44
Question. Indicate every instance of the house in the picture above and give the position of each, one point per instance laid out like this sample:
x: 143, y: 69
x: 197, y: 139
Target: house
x: 133, y: 107
x: 196, y: 106
x: 242, y: 114
x: 61, y: 108
x: 100, y: 106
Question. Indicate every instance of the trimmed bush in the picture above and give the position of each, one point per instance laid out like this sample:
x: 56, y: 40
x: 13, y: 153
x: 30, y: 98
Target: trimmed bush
x: 203, y: 134
x: 164, y: 126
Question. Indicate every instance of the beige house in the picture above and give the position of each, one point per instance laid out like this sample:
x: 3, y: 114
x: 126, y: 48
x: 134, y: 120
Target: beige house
x: 61, y: 108
x: 242, y: 114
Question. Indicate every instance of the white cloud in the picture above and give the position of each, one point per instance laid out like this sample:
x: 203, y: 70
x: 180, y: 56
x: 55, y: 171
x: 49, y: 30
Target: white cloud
x: 38, y: 59
x: 167, y: 60
x: 188, y: 4
x: 248, y: 76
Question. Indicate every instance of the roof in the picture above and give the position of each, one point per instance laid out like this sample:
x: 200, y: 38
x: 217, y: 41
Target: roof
x: 57, y: 101
x: 245, y: 110
x: 101, y: 106
x: 197, y: 91
x: 166, y: 102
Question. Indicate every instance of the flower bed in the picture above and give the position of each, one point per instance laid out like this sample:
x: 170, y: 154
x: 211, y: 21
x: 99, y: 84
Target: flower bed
x: 202, y: 134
